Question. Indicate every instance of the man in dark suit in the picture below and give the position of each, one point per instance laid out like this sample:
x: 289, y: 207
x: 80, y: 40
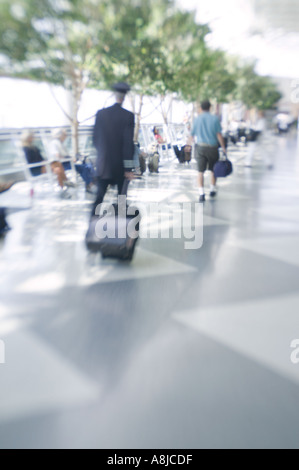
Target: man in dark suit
x: 113, y: 138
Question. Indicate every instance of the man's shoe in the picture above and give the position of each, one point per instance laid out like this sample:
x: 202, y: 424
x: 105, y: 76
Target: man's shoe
x: 213, y: 194
x: 202, y: 198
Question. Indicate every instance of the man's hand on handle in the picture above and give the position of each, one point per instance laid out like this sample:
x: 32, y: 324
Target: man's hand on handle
x: 129, y: 175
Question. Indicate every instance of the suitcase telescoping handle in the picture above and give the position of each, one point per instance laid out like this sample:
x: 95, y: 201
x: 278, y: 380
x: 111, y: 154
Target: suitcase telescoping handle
x: 125, y: 187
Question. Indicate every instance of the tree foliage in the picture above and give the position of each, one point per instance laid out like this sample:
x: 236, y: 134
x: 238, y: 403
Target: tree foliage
x: 153, y: 45
x: 255, y: 90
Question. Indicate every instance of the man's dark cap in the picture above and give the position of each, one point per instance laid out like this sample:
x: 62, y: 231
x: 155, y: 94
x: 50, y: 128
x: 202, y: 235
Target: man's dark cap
x: 121, y: 87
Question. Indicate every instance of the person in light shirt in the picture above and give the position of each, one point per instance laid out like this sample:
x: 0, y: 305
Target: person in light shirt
x: 57, y: 153
x: 57, y: 149
x: 259, y: 129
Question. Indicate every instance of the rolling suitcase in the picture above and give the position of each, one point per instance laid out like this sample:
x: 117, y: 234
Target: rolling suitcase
x: 153, y: 163
x: 187, y: 153
x: 115, y: 233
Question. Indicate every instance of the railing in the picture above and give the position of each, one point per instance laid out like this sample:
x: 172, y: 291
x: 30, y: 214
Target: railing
x: 13, y: 163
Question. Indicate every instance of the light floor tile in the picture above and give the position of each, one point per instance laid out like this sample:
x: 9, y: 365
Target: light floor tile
x: 283, y: 248
x: 262, y: 330
x: 145, y: 264
x: 36, y: 379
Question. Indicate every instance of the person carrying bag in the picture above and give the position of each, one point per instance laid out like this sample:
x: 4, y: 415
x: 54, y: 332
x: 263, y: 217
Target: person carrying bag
x: 208, y: 134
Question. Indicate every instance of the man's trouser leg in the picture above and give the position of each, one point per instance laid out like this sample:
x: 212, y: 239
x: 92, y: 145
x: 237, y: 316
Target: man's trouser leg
x: 102, y: 188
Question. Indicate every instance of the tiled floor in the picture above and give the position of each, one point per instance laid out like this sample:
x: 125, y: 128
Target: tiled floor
x: 181, y: 349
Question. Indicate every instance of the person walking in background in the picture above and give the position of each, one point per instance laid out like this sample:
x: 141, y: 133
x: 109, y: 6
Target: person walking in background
x: 207, y: 133
x: 257, y: 142
x: 32, y: 153
x: 113, y: 138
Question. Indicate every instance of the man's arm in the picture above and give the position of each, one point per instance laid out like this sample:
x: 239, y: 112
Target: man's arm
x: 190, y: 140
x: 221, y: 142
x: 191, y: 135
x: 128, y: 150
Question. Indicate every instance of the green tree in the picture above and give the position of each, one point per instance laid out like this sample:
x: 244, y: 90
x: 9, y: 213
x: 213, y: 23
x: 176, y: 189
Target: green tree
x: 134, y: 52
x: 79, y: 44
x: 183, y: 45
x: 219, y: 80
x: 166, y: 44
x: 55, y: 41
x: 256, y: 91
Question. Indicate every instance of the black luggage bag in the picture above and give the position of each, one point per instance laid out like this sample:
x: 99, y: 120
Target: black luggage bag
x: 178, y: 152
x: 115, y: 233
x: 183, y: 153
x: 252, y: 135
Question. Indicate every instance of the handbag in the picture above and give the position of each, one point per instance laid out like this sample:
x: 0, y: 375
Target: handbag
x: 223, y: 168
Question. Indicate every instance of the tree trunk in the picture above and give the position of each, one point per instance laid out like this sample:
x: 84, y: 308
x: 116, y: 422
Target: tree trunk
x: 138, y: 121
x: 75, y: 137
x: 165, y: 111
x: 77, y: 91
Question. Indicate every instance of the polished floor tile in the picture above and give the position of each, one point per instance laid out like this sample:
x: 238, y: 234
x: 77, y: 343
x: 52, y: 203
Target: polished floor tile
x: 180, y: 349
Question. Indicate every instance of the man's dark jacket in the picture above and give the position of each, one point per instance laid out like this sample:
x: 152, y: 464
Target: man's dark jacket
x: 113, y: 137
